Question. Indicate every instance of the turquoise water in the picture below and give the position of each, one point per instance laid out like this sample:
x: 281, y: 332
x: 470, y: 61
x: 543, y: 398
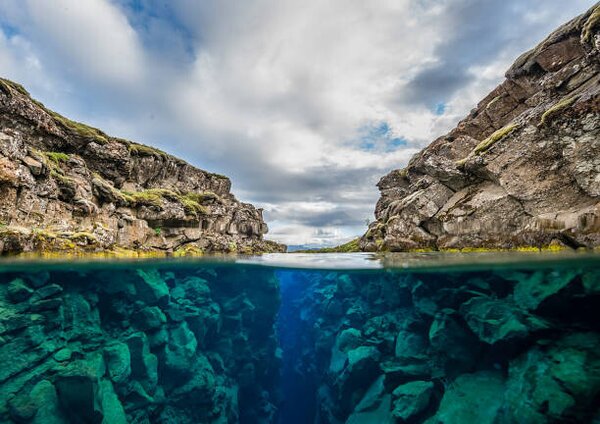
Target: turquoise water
x: 353, y: 338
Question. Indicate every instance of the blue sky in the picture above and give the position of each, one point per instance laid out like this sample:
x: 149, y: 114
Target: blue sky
x: 305, y: 104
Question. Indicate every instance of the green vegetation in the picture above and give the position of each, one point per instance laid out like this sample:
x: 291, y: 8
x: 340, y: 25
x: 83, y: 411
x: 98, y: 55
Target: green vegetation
x: 204, y: 197
x: 155, y: 196
x: 492, y: 102
x: 56, y: 157
x: 157, y: 231
x: 486, y: 144
x: 6, y: 85
x: 556, y: 109
x: 78, y: 128
x: 592, y: 22
x: 351, y: 246
x: 83, y: 237
x: 215, y: 175
x: 143, y: 150
x: 493, y: 139
x: 62, y: 178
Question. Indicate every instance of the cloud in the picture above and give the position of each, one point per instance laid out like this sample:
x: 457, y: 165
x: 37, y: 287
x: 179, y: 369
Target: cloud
x: 305, y: 104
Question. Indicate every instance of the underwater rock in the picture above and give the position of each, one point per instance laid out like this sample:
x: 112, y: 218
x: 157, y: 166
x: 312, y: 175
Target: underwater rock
x: 495, y: 320
x: 558, y: 382
x: 531, y: 291
x: 118, y: 362
x: 471, y: 398
x: 18, y: 291
x: 411, y: 399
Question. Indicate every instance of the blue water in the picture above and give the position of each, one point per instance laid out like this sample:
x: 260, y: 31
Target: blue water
x: 486, y: 338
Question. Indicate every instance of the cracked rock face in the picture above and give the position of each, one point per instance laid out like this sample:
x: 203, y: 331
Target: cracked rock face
x: 523, y: 169
x: 67, y: 186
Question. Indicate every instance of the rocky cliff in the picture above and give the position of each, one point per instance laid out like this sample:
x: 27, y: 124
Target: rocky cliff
x: 522, y: 169
x: 67, y: 186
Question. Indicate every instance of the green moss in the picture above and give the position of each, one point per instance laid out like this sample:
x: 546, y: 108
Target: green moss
x: 143, y: 150
x: 192, y: 207
x: 592, y: 22
x: 188, y: 250
x: 493, y: 139
x: 56, y: 157
x: 7, y: 85
x: 83, y: 237
x: 556, y: 109
x: 143, y: 198
x: 486, y: 144
x: 155, y: 197
x: 62, y: 178
x: 157, y: 231
x: 220, y: 176
x: 493, y: 101
x: 82, y: 130
x: 203, y: 197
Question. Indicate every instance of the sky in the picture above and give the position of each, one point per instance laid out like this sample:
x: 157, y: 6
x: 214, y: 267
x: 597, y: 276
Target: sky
x: 304, y: 104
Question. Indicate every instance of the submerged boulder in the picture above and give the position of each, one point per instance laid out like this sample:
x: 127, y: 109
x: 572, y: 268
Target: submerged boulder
x: 471, y: 398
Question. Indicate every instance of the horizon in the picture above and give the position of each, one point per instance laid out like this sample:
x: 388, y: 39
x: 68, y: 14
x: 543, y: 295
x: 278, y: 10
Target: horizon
x: 289, y: 100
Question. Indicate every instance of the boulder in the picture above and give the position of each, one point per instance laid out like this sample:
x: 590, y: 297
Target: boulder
x: 144, y: 365
x: 495, y: 320
x: 411, y: 399
x: 533, y: 289
x: 472, y: 398
x: 18, y: 291
x: 118, y: 362
x: 557, y: 383
x: 151, y: 288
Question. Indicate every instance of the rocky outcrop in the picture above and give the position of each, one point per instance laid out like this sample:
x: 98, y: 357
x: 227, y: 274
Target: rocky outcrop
x: 67, y: 186
x: 447, y: 346
x: 123, y: 345
x: 521, y: 170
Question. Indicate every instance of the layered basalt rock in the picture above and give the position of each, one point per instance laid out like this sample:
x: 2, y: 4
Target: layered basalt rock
x: 505, y: 346
x: 521, y: 170
x: 67, y: 186
x: 124, y: 345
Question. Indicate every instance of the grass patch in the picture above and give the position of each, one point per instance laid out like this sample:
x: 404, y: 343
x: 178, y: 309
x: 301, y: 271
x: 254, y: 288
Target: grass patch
x: 350, y: 247
x: 82, y: 130
x: 592, y: 22
x: 204, y: 197
x: 137, y: 149
x: 7, y: 85
x: 556, y: 109
x: 56, y: 157
x: 156, y: 196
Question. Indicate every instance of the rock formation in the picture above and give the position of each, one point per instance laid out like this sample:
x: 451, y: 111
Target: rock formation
x: 67, y: 186
x: 181, y: 345
x: 489, y: 347
x: 522, y: 169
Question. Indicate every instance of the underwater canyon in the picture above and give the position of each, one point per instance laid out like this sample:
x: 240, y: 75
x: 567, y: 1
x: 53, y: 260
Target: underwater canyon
x: 207, y: 341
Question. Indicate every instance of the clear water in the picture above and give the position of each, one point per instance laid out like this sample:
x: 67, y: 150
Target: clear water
x: 455, y: 338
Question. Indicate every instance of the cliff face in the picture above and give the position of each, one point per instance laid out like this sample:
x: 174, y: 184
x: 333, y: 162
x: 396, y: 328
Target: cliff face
x: 65, y: 185
x: 523, y: 169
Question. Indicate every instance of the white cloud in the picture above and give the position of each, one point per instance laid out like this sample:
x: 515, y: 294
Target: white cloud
x: 276, y: 94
